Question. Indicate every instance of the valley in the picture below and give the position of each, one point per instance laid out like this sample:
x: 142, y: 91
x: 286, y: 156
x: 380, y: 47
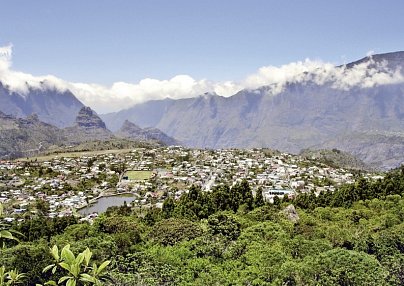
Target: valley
x: 201, y: 143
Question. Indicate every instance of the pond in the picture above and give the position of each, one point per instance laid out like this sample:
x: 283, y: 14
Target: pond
x: 103, y: 203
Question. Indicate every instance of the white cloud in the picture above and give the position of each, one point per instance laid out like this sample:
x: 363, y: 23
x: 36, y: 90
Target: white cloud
x: 5, y: 57
x: 21, y: 82
x: 364, y: 75
x: 370, y: 53
x: 122, y: 95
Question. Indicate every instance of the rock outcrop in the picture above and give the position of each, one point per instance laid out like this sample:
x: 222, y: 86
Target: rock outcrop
x: 88, y: 127
x: 133, y: 131
x: 291, y: 214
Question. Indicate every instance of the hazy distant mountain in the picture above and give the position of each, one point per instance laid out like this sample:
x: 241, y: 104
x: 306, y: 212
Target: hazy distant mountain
x: 144, y: 114
x: 132, y: 131
x: 304, y: 114
x: 51, y: 106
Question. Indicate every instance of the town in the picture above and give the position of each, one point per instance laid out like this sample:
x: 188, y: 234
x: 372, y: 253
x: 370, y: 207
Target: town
x: 73, y: 184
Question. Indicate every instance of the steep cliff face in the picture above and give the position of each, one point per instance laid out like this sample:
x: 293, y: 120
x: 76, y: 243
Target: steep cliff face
x: 88, y: 126
x: 310, y: 113
x: 88, y: 119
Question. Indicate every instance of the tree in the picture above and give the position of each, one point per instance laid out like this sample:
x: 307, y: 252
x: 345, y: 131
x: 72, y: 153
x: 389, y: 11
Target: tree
x: 343, y: 267
x: 27, y: 258
x: 42, y: 207
x: 195, y: 204
x: 172, y: 231
x: 224, y: 224
x: 259, y: 199
x: 221, y: 198
x: 246, y: 194
x: 277, y: 201
x: 241, y: 194
x: 395, y: 265
x: 168, y: 207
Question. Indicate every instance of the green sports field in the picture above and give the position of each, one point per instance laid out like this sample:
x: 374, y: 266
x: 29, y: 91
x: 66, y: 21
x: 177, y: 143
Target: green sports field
x: 138, y: 175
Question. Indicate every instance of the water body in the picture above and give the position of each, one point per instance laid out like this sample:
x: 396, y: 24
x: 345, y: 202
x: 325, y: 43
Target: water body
x: 103, y: 203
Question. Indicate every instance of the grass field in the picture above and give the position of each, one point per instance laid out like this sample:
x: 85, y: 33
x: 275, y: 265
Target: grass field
x: 138, y: 175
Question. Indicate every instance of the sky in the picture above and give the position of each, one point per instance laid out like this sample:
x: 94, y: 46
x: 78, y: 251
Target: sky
x: 158, y: 46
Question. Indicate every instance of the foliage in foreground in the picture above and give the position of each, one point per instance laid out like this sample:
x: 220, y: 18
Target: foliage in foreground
x: 77, y: 270
x: 354, y: 236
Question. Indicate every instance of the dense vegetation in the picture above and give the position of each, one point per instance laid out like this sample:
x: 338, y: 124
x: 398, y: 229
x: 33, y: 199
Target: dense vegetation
x: 354, y: 236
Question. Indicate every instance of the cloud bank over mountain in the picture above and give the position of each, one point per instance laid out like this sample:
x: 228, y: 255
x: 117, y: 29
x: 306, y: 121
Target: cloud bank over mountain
x: 122, y: 95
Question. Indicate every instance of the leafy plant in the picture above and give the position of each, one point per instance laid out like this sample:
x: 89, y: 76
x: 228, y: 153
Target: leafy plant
x: 12, y: 277
x: 77, y: 269
x: 6, y: 235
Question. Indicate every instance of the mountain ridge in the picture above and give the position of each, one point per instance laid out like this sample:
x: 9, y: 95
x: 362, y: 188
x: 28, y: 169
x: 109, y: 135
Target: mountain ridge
x: 358, y: 108
x: 52, y: 106
x: 303, y: 115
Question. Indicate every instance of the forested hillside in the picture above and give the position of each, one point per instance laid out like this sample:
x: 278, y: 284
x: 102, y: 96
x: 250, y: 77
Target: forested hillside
x: 354, y: 236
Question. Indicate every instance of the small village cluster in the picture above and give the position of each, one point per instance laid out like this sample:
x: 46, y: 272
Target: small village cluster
x: 66, y: 184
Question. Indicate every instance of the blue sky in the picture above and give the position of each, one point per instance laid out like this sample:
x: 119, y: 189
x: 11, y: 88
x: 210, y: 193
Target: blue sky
x: 107, y: 41
x: 116, y: 53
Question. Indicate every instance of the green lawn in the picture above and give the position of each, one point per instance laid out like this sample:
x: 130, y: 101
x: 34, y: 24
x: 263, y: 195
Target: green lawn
x: 138, y: 175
